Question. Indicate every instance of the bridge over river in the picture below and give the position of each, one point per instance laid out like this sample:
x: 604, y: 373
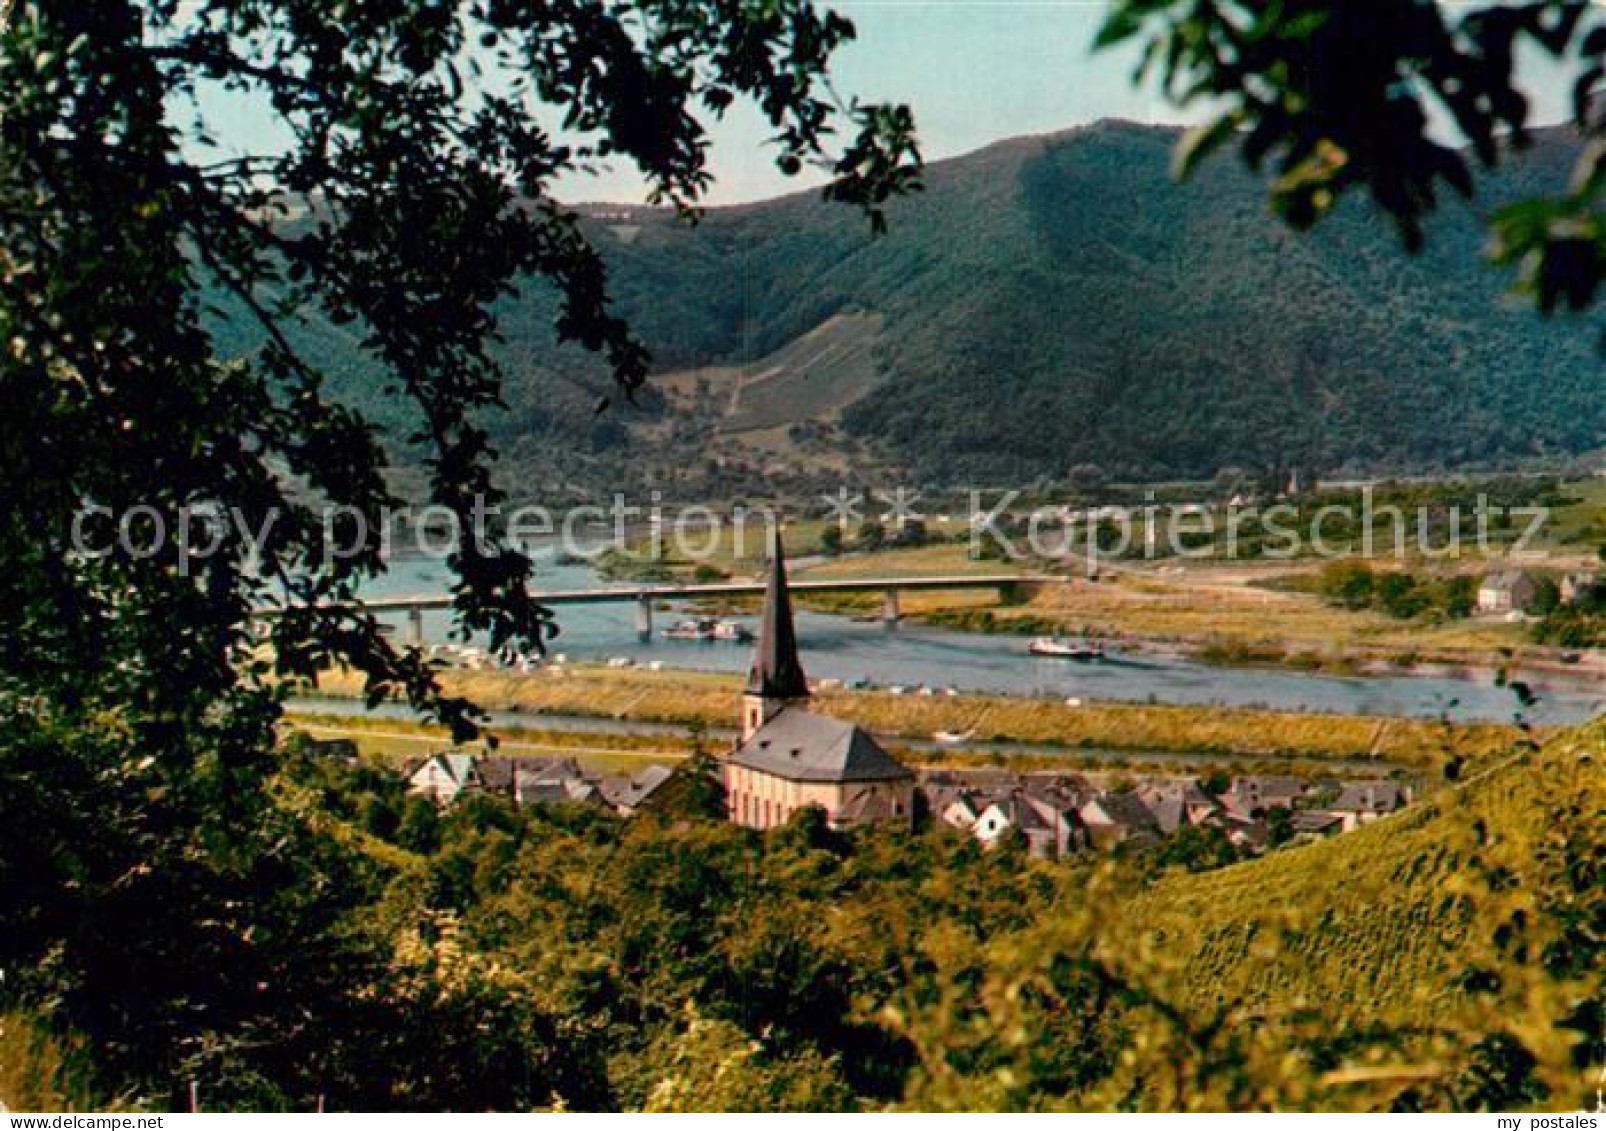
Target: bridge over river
x: 1008, y: 586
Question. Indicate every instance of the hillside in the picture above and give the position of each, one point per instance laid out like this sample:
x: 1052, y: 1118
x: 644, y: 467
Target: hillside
x: 1396, y: 921
x: 1049, y: 302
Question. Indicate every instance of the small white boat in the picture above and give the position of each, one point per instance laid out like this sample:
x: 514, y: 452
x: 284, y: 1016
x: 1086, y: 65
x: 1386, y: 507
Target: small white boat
x: 953, y: 737
x: 1056, y: 648
x: 731, y: 630
x: 690, y: 630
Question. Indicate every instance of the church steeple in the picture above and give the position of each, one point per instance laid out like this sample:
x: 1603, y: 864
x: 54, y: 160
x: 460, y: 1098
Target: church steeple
x: 776, y: 677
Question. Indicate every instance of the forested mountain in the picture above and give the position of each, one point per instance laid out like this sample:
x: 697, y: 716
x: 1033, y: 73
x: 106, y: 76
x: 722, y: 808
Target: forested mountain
x: 1049, y: 302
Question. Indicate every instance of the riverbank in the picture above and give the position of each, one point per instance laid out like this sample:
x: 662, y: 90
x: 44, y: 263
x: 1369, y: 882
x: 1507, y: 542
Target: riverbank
x: 708, y: 700
x: 1248, y: 617
x: 1229, y: 614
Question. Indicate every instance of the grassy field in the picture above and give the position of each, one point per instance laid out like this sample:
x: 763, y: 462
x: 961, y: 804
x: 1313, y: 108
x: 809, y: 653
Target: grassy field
x: 402, y: 738
x: 1206, y: 605
x: 810, y: 378
x: 1580, y: 527
x: 710, y: 699
x: 391, y: 741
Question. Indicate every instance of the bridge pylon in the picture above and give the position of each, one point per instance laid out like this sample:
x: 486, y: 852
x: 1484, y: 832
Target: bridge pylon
x: 891, y: 611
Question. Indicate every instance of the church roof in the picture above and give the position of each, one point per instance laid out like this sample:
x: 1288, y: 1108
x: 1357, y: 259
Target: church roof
x: 867, y: 807
x: 777, y: 673
x: 801, y: 746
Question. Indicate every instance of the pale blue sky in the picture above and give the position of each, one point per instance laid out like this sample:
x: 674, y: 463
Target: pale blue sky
x: 974, y: 71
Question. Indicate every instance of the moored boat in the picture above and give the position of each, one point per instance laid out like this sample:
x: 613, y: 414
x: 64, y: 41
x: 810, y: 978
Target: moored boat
x: 690, y: 630
x: 1054, y: 647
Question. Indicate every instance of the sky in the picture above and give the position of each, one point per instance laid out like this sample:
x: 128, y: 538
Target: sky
x: 974, y: 72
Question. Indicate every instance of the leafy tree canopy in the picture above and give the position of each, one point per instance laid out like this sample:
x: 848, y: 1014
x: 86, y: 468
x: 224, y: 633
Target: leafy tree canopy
x: 1381, y: 96
x: 410, y: 192
x: 145, y: 867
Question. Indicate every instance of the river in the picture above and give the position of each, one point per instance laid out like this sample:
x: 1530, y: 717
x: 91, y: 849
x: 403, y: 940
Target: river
x: 911, y: 655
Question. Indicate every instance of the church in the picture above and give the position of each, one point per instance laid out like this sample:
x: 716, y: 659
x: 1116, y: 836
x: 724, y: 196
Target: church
x: 788, y: 757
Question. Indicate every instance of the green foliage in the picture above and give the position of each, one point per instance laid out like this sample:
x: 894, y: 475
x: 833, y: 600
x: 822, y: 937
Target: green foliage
x: 909, y: 533
x: 1572, y: 626
x: 715, y: 1066
x: 419, y: 827
x: 695, y: 792
x: 871, y: 536
x: 1336, y: 97
x: 1197, y: 849
x: 1057, y: 304
x: 559, y: 956
x: 1349, y: 584
x: 1408, y: 972
x: 1398, y: 593
x: 43, y: 1071
x: 160, y: 896
x: 1547, y: 595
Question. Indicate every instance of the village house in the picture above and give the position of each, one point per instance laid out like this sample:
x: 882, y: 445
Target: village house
x: 1578, y: 588
x: 1317, y: 824
x: 443, y: 777
x: 1116, y: 819
x: 1507, y: 591
x: 989, y: 803
x: 790, y: 758
x: 1060, y: 814
x: 1241, y: 831
x: 1178, y: 803
x: 1254, y: 796
x: 629, y: 796
x: 448, y: 776
x: 1361, y: 803
x: 959, y: 809
x: 959, y: 800
x: 1014, y: 811
x: 1047, y: 819
x: 555, y: 783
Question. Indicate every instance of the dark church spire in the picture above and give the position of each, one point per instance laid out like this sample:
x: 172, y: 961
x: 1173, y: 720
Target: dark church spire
x: 777, y: 672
